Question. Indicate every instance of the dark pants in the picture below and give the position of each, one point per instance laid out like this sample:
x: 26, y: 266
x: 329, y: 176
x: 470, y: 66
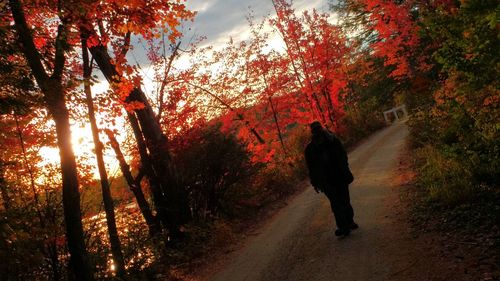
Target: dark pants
x: 341, y: 205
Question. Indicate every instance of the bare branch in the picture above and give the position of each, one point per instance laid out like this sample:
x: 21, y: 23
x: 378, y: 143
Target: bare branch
x: 168, y: 66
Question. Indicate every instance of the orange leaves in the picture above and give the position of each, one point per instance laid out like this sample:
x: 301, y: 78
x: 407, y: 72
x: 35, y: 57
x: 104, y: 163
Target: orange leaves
x: 145, y: 18
x: 492, y: 101
x: 261, y: 94
x: 317, y: 53
x: 93, y: 41
x: 133, y: 105
x: 123, y: 90
x: 261, y: 153
x: 397, y: 34
x: 244, y: 133
x: 131, y: 27
x: 40, y: 42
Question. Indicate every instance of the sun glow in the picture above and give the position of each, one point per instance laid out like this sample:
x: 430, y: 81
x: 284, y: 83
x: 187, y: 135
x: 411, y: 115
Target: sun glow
x: 83, y: 148
x: 81, y: 141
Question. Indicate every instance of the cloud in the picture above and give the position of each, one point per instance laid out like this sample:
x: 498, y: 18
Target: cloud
x: 218, y: 20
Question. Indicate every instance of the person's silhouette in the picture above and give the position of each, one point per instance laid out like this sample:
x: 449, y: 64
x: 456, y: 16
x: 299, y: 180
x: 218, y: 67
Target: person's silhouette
x: 329, y: 173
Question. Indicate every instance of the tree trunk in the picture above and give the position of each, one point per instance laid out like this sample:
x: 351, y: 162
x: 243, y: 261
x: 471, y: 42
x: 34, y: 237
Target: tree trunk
x: 147, y: 168
x: 116, y: 248
x: 54, y: 262
x: 329, y: 105
x: 53, y: 91
x: 175, y: 208
x: 173, y: 204
x: 54, y: 98
x: 3, y: 188
x: 134, y: 185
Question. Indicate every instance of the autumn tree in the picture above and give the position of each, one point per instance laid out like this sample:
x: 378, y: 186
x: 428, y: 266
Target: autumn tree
x: 441, y: 55
x: 263, y: 91
x: 116, y: 248
x: 317, y: 53
x: 391, y: 30
x: 219, y: 79
x: 32, y: 242
x: 109, y: 23
x: 48, y: 70
x: 464, y: 38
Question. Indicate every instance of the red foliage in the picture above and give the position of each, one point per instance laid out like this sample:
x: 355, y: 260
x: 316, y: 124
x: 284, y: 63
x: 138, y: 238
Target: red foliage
x: 397, y: 34
x: 317, y: 52
x: 261, y: 94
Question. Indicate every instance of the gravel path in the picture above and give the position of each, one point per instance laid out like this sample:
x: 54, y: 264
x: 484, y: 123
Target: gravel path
x: 299, y: 242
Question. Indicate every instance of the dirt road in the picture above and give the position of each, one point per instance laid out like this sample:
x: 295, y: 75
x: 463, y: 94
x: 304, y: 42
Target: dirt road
x: 299, y: 242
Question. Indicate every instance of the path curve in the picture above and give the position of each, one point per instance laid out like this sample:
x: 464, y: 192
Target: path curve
x: 299, y: 242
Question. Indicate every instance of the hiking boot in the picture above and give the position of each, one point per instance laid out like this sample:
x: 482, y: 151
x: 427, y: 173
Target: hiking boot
x: 342, y: 232
x: 354, y: 226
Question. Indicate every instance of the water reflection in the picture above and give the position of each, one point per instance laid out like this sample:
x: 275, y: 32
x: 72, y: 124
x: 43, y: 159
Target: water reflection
x: 137, y: 247
x: 112, y: 267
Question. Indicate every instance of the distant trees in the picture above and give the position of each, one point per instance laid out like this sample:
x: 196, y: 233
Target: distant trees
x: 442, y: 56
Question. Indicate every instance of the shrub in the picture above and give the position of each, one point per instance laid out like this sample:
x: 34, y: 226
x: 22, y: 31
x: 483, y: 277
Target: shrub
x: 446, y: 179
x: 213, y: 166
x: 361, y: 121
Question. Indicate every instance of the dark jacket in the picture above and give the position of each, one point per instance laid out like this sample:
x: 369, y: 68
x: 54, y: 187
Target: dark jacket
x: 327, y: 162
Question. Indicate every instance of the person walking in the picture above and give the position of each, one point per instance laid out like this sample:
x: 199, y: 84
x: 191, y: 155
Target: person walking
x: 329, y: 173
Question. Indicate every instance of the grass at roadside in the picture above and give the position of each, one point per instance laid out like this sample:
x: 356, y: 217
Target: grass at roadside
x: 468, y: 230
